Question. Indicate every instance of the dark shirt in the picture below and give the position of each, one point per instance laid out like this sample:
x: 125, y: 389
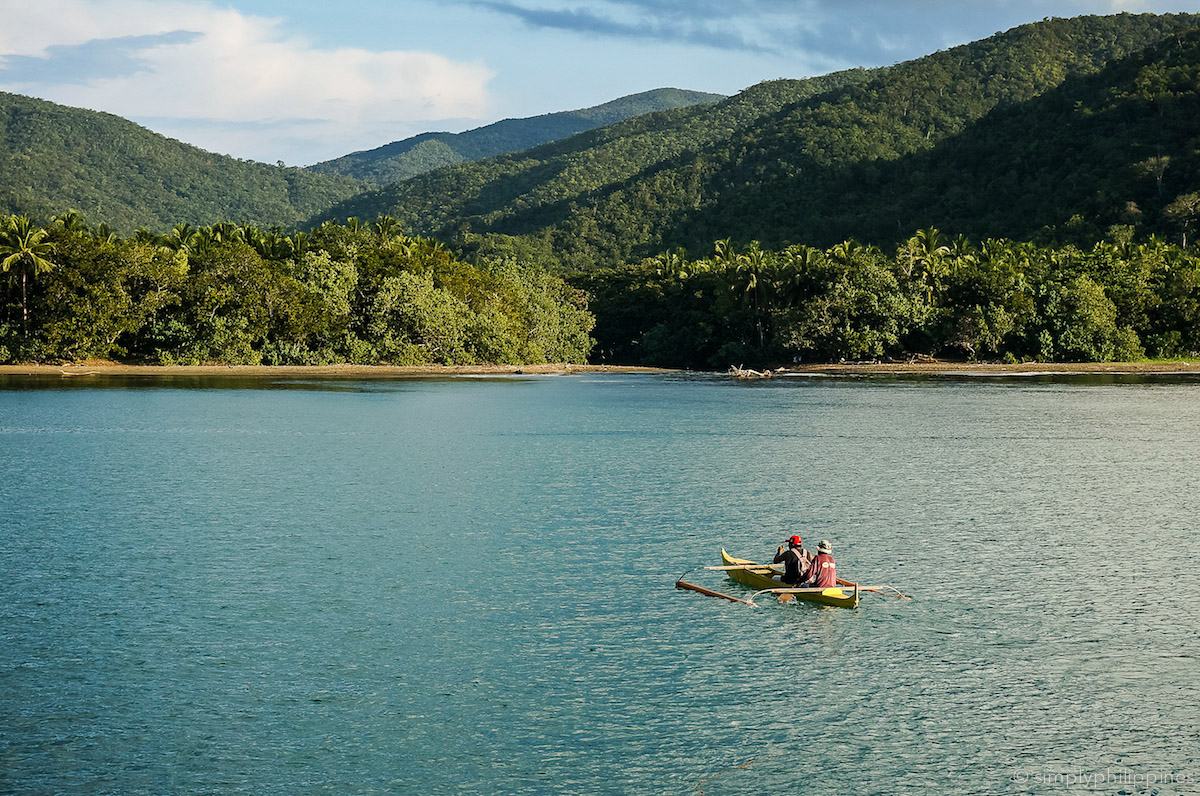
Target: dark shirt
x: 795, y: 562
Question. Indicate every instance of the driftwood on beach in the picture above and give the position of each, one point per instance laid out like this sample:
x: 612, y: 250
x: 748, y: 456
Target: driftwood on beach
x: 740, y: 372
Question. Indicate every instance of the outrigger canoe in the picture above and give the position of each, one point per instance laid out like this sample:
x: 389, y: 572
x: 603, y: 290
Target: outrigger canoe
x: 767, y: 577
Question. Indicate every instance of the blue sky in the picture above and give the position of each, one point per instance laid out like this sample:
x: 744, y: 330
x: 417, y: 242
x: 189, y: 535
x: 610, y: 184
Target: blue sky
x: 304, y: 81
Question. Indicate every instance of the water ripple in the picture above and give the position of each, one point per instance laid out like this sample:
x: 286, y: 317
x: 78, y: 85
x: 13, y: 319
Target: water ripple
x: 466, y: 587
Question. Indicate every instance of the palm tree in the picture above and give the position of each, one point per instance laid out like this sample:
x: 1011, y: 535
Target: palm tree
x: 672, y: 264
x: 144, y: 235
x: 227, y: 232
x: 299, y: 243
x: 104, y: 234
x: 754, y: 272
x: 183, y: 237
x: 402, y: 245
x: 251, y: 234
x: 846, y: 252
x: 23, y: 247
x: 204, y: 238
x: 962, y: 250
x: 797, y: 272
x: 723, y: 252
x: 71, y: 221
x: 928, y: 255
x: 273, y: 246
x: 386, y: 228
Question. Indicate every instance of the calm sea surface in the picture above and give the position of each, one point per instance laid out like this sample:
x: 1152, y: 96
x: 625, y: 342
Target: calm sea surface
x: 466, y: 586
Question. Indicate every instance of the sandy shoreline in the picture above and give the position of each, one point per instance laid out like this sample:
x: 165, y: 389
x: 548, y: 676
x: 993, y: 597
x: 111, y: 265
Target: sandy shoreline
x: 310, y: 371
x: 994, y: 369
x: 933, y: 368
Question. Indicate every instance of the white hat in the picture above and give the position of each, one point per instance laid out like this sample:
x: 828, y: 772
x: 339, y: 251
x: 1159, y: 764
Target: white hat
x: 825, y: 547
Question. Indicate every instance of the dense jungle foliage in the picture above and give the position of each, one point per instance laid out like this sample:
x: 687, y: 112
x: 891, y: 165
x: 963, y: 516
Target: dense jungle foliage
x: 997, y: 300
x: 401, y: 160
x: 54, y: 158
x: 369, y: 294
x: 872, y: 155
x: 240, y: 295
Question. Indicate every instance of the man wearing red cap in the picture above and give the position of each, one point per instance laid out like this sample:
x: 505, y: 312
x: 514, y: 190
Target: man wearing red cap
x: 795, y: 559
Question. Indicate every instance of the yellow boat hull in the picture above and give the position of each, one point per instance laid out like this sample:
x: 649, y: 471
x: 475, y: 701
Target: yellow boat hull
x: 767, y: 578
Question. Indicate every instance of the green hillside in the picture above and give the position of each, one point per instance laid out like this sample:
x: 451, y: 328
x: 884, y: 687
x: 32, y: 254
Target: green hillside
x: 547, y: 177
x: 1118, y: 147
x: 401, y: 160
x: 54, y: 158
x: 812, y: 161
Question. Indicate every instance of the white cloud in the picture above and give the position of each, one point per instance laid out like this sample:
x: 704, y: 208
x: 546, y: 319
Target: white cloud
x: 237, y: 84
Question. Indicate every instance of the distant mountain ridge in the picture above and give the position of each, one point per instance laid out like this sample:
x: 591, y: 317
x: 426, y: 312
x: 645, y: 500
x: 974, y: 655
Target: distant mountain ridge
x: 401, y: 160
x: 797, y: 161
x: 54, y: 158
x: 559, y: 174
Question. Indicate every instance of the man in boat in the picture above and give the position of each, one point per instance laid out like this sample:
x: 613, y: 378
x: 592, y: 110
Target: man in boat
x: 822, y: 571
x: 795, y: 559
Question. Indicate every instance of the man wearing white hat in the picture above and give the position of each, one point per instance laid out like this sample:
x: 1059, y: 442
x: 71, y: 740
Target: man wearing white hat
x: 822, y: 572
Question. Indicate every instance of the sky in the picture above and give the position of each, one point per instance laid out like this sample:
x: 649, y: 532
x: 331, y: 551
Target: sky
x: 301, y: 81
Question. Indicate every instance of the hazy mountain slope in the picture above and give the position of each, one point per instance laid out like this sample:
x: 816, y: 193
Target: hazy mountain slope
x: 54, y: 158
x: 400, y: 160
x: 742, y: 168
x: 562, y: 171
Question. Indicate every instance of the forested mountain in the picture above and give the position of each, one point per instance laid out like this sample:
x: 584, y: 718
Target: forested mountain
x: 400, y: 160
x: 54, y: 158
x: 1119, y: 147
x: 551, y: 175
x: 821, y: 160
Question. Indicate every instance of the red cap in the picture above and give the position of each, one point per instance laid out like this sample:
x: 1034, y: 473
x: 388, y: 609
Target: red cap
x: 795, y: 541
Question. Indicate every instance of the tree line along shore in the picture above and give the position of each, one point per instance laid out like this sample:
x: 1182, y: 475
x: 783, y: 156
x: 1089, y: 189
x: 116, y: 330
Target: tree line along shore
x: 368, y: 294
x: 235, y: 294
x: 933, y: 369
x: 932, y: 296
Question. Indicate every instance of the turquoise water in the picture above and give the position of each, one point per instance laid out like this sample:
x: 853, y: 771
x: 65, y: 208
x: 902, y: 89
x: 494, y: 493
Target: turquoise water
x: 466, y: 586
